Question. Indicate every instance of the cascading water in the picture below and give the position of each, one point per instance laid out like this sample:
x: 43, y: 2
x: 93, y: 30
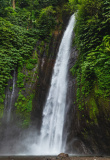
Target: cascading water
x: 50, y: 141
x: 53, y: 114
x: 9, y: 100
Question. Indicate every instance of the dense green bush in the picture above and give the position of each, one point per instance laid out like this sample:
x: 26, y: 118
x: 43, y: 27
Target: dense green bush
x: 46, y: 21
x: 3, y: 5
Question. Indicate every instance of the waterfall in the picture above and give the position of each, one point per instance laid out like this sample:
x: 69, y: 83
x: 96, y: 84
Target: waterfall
x: 50, y: 140
x: 12, y: 96
x: 9, y: 99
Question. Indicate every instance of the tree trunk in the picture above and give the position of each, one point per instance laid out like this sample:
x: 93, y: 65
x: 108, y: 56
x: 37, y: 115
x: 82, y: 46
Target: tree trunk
x: 13, y: 4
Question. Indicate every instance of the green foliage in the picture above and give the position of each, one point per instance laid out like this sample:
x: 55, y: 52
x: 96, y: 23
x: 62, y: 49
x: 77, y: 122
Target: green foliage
x: 2, y: 98
x: 30, y: 23
x: 92, y: 38
x: 20, y: 29
x: 16, y: 45
x: 46, y: 3
x: 28, y: 4
x: 23, y: 109
x: 3, y: 5
x: 30, y: 63
x: 17, y: 39
x: 29, y: 66
x: 93, y: 109
x: 33, y: 61
x: 1, y: 110
x: 20, y: 78
x: 18, y: 17
x: 46, y: 21
x: 26, y: 77
x: 74, y: 4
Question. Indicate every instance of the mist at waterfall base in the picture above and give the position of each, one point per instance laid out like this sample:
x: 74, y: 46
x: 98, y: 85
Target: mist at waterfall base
x: 50, y: 141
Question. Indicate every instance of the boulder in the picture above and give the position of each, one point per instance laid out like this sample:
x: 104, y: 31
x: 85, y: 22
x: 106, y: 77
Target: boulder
x: 63, y: 155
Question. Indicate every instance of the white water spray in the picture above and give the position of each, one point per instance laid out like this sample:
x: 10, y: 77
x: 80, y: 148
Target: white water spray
x: 50, y: 141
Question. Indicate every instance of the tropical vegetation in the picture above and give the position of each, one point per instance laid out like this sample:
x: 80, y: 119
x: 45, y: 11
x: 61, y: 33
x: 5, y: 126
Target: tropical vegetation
x: 92, y: 38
